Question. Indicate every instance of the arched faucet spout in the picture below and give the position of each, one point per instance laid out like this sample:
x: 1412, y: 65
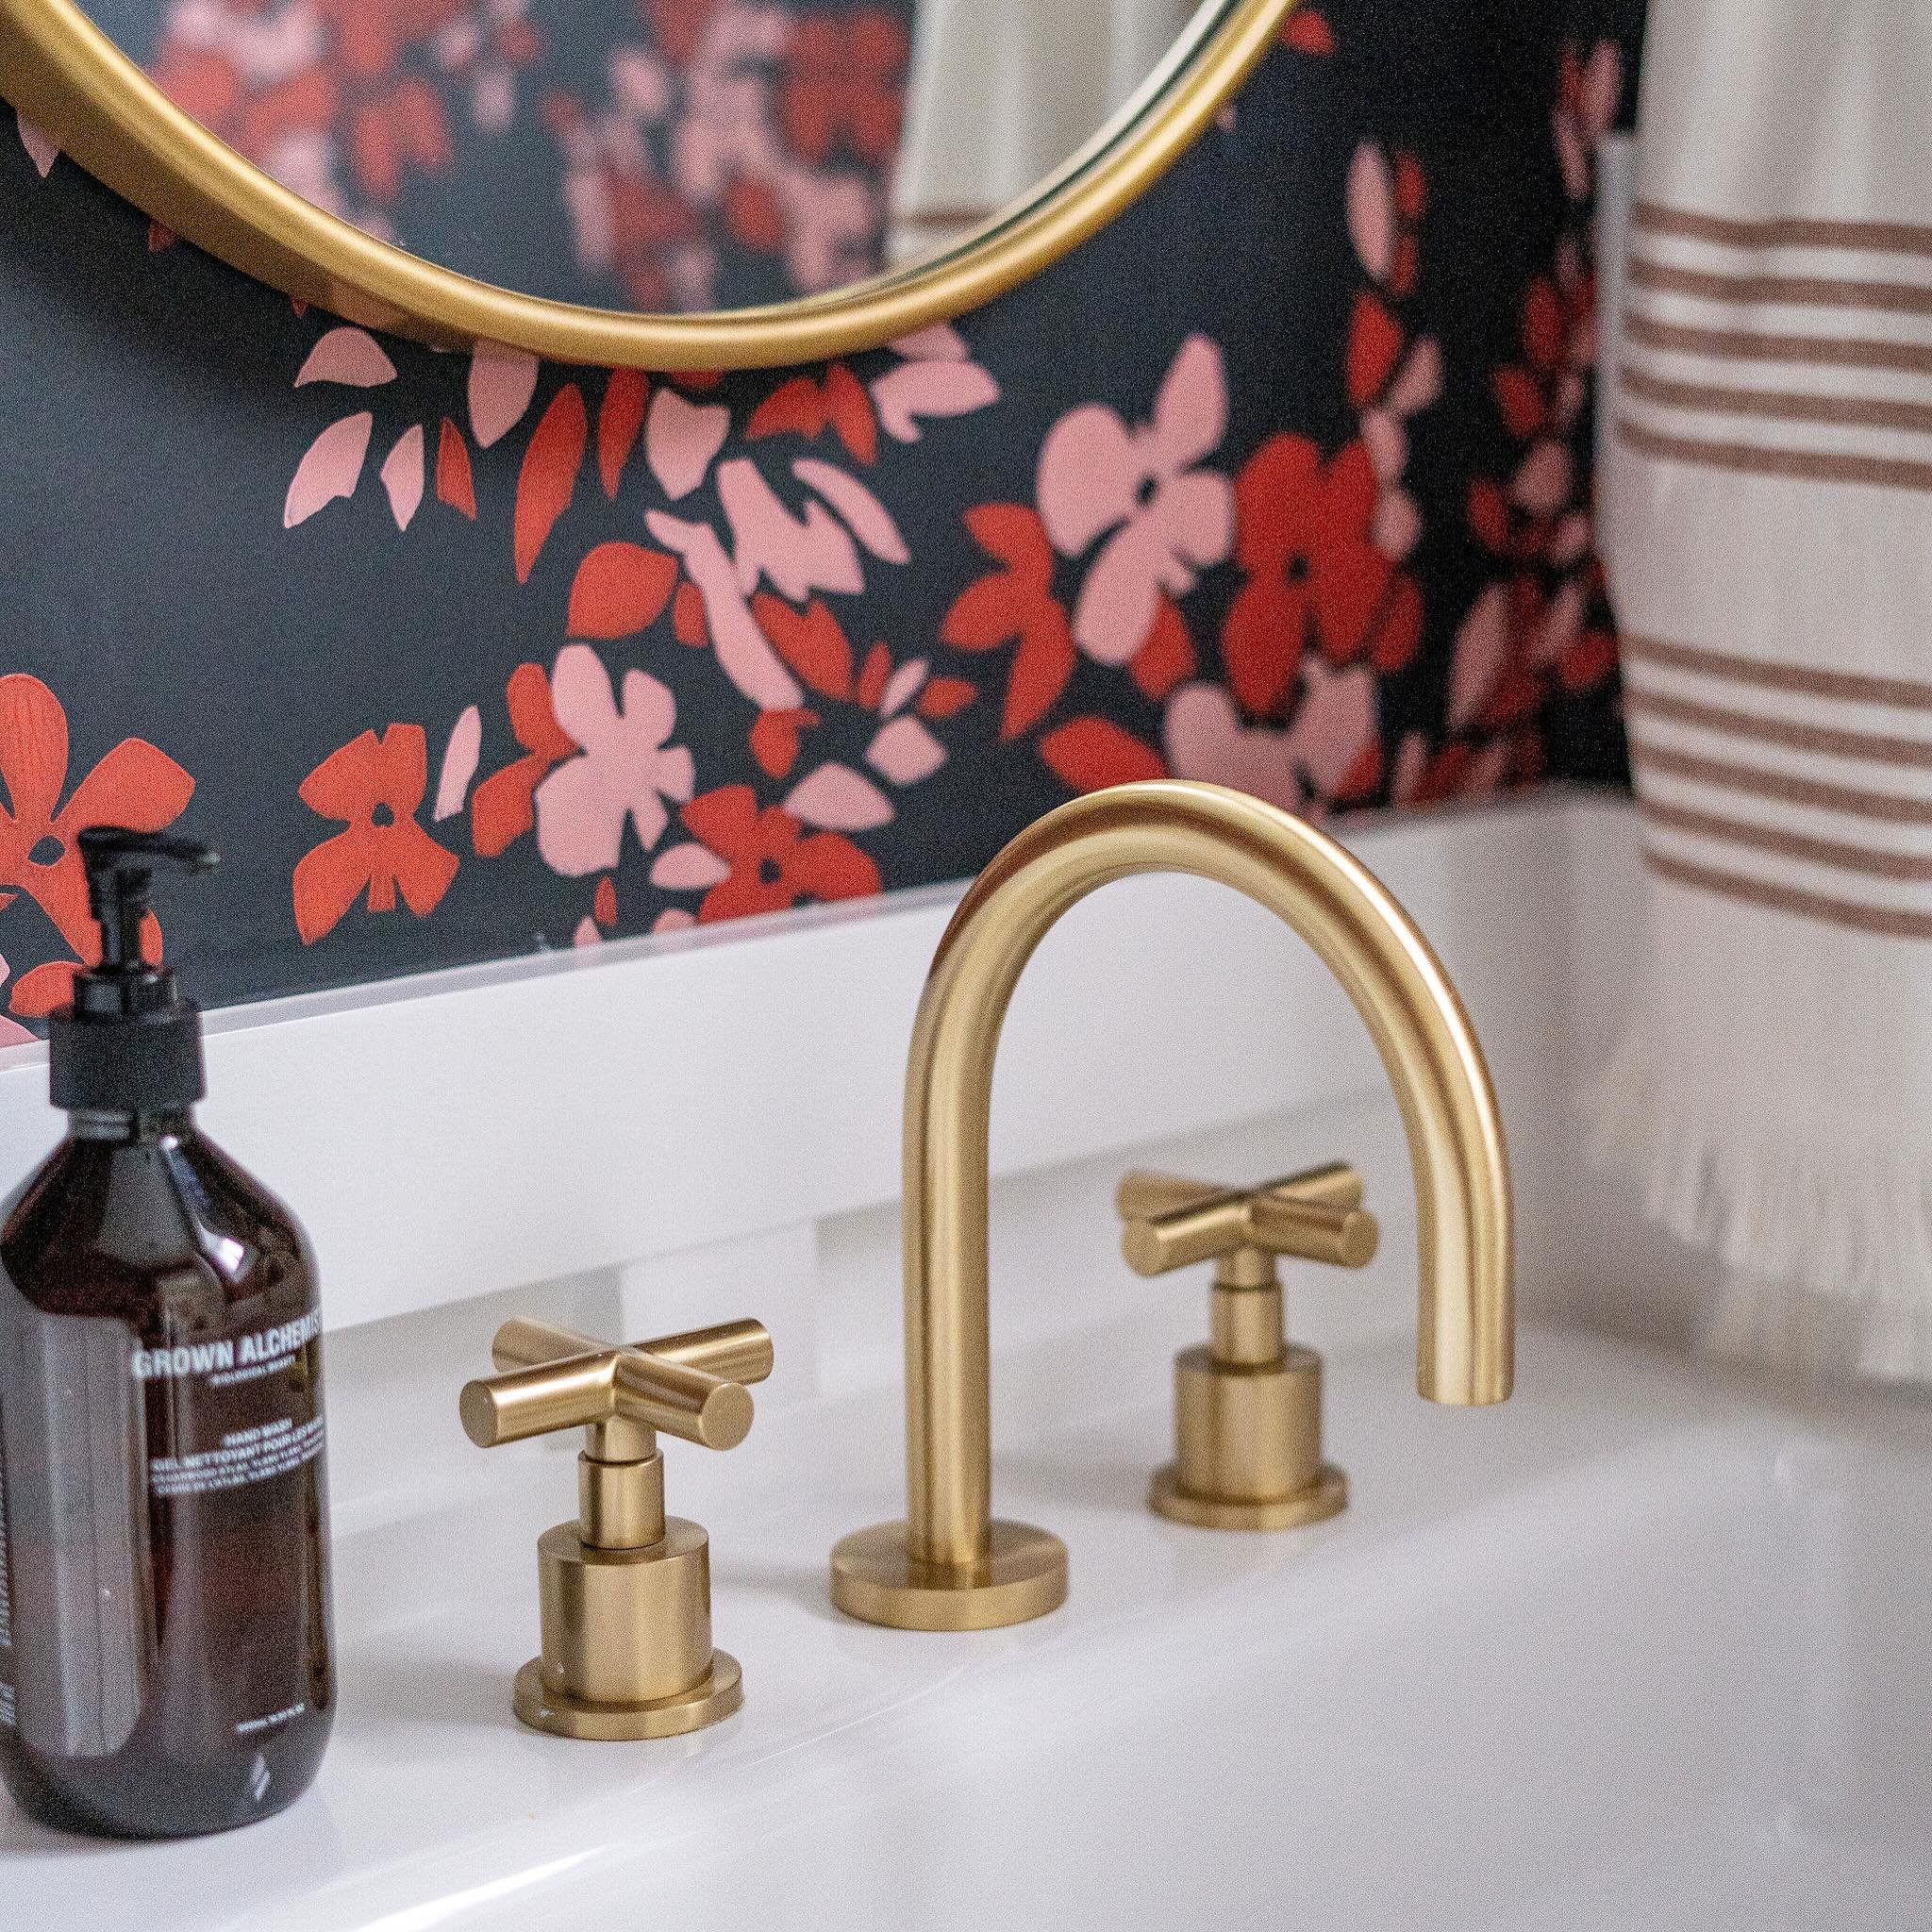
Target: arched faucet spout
x: 949, y: 1566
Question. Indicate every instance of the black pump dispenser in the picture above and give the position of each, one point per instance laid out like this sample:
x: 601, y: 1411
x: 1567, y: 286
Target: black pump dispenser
x: 130, y: 1042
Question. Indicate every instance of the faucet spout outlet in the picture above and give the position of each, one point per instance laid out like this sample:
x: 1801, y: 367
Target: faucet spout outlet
x: 1248, y: 1429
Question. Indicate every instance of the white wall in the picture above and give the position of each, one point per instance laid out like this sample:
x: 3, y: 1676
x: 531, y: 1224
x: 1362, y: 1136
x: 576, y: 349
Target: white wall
x: 662, y: 1134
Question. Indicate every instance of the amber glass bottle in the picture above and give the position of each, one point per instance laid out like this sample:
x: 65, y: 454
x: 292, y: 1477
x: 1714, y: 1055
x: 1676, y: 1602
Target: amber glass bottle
x: 165, y: 1664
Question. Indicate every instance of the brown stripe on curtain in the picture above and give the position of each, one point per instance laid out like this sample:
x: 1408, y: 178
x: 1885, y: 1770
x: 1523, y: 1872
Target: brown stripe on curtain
x: 1906, y: 694
x: 1816, y: 466
x: 1885, y: 920
x: 1783, y: 231
x: 1872, y: 412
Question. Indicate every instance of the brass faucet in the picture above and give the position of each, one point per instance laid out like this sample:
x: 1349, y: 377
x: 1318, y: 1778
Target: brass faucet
x: 950, y: 1566
x: 625, y: 1591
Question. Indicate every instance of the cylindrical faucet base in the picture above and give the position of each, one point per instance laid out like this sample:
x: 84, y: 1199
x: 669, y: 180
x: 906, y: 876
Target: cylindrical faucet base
x: 1248, y: 1445
x: 627, y: 1639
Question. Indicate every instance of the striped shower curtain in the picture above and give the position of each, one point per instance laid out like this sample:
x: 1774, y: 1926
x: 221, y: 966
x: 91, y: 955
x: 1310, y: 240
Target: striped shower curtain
x: 1768, y: 534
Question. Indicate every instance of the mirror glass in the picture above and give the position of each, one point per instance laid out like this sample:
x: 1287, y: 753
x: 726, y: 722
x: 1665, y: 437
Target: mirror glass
x: 665, y: 156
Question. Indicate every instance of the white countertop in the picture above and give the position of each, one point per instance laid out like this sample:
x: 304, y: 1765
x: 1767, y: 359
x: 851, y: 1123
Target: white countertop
x: 859, y: 1751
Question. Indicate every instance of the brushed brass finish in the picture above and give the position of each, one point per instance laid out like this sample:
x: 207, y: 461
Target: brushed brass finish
x: 733, y: 1351
x: 1144, y: 1197
x: 1247, y: 1406
x: 1326, y: 1497
x: 63, y: 71
x: 620, y: 1499
x: 1247, y: 1432
x: 1465, y: 1328
x: 716, y: 1696
x: 1247, y: 1325
x: 1274, y: 1218
x: 1022, y: 1575
x: 625, y: 1591
x: 624, y: 1626
x: 587, y: 1389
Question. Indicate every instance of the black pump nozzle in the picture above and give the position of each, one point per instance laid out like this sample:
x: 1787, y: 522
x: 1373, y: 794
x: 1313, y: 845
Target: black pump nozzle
x: 120, y: 881
x: 129, y: 1043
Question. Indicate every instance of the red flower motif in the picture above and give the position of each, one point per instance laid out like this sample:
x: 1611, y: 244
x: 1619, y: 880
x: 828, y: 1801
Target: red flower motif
x: 1538, y: 519
x: 1375, y: 342
x: 1089, y: 754
x: 1545, y: 393
x: 1015, y: 604
x: 774, y: 863
x: 755, y: 216
x: 397, y: 126
x: 678, y: 26
x: 502, y: 807
x: 804, y: 408
x: 1308, y: 32
x: 134, y: 784
x: 844, y: 81
x: 376, y: 787
x: 648, y: 218
x: 1302, y: 534
x: 353, y: 94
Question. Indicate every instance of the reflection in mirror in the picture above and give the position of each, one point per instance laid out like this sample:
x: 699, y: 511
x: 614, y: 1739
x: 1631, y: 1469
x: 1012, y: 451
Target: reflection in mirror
x: 1002, y: 91
x: 654, y: 154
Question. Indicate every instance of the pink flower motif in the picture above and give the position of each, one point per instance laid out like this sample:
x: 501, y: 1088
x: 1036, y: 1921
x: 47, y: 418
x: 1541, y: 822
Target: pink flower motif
x: 1588, y: 96
x: 403, y: 474
x: 1304, y: 768
x: 680, y: 440
x: 1206, y: 740
x: 1169, y: 520
x: 796, y: 554
x: 330, y: 468
x: 743, y: 655
x: 40, y: 146
x: 351, y: 357
x: 937, y: 378
x: 1335, y: 726
x: 1370, y: 202
x: 906, y: 752
x: 1483, y: 642
x: 867, y: 517
x: 625, y: 771
x: 502, y: 381
x: 459, y: 757
x: 838, y: 799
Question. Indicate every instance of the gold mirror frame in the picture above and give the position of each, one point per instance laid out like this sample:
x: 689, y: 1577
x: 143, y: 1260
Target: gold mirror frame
x: 64, y: 73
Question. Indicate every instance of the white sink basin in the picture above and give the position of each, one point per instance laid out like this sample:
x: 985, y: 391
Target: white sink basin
x: 1641, y: 1649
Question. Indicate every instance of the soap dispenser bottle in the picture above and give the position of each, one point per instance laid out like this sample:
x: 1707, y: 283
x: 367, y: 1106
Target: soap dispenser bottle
x: 165, y: 1664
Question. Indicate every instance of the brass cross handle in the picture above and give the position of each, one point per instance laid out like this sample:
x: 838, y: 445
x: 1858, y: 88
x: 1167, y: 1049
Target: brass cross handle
x: 1317, y: 1215
x: 625, y: 1591
x: 690, y: 1385
x: 1248, y: 1403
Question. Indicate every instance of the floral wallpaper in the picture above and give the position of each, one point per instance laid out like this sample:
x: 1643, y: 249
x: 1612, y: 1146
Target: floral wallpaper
x: 652, y: 153
x: 1281, y: 480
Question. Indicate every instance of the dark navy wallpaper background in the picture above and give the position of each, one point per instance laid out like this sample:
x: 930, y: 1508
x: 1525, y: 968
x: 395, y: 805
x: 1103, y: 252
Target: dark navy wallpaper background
x: 1281, y: 480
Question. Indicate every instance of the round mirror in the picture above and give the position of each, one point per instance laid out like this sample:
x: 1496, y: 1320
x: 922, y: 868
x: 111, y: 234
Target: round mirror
x: 671, y: 181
